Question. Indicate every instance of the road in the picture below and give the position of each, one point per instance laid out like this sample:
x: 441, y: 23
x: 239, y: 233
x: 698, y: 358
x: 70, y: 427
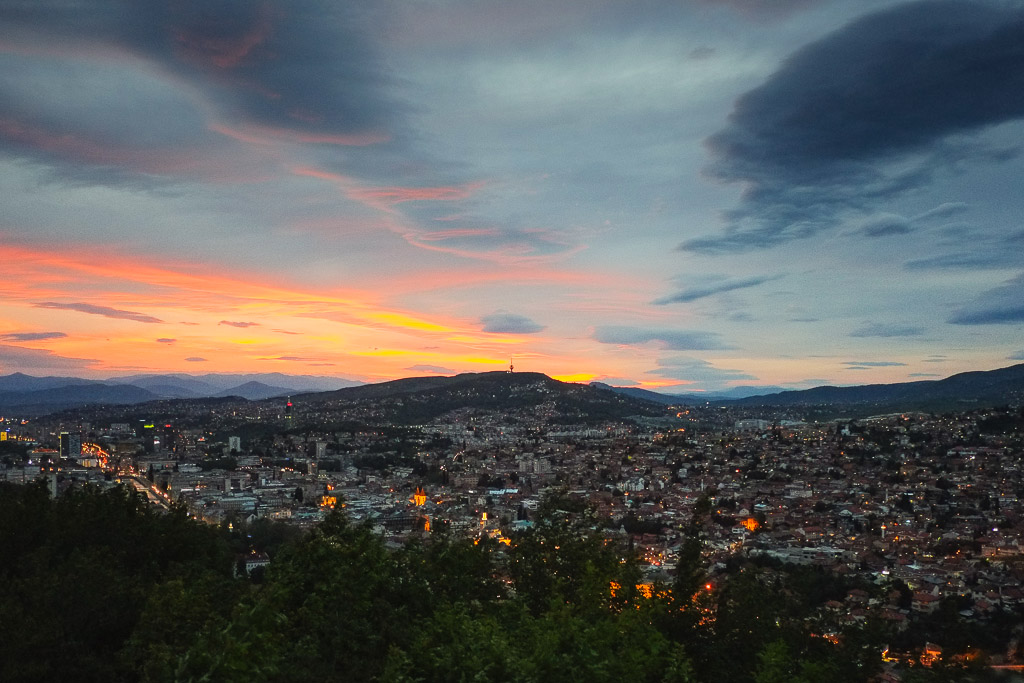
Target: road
x: 152, y: 493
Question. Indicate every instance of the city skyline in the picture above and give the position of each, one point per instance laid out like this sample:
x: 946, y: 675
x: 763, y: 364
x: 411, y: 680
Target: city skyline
x: 680, y: 196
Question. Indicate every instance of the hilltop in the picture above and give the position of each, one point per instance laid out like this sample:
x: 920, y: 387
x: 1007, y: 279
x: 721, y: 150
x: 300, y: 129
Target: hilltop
x: 418, y: 399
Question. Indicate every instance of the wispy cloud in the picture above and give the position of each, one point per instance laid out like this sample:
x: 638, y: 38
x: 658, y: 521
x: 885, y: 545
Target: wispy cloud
x: 887, y: 330
x: 702, y: 291
x: 677, y: 340
x: 237, y: 324
x: 886, y: 226
x: 874, y: 363
x: 100, y: 310
x: 697, y: 371
x: 1000, y: 306
x: 31, y: 336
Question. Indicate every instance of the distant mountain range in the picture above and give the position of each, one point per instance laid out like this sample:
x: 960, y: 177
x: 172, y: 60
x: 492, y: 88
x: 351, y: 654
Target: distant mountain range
x: 992, y: 387
x: 731, y: 394
x: 27, y: 395
x: 429, y: 396
x: 982, y: 388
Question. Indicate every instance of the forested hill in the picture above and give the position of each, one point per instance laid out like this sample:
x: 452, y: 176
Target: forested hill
x: 97, y: 587
x: 993, y: 387
x: 423, y: 398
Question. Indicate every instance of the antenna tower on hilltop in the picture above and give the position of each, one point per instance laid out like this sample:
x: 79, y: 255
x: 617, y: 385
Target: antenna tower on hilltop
x: 510, y: 366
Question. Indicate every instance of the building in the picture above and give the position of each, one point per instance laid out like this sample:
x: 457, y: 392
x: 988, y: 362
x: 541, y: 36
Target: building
x: 70, y: 445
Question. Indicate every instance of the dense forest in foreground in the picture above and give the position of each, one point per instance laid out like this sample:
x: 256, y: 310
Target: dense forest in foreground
x: 98, y: 587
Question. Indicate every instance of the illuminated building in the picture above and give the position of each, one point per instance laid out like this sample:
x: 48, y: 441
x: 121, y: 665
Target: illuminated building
x: 70, y: 445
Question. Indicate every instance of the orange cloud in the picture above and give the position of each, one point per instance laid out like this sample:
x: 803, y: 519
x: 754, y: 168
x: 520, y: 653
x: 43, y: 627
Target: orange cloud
x: 95, y: 279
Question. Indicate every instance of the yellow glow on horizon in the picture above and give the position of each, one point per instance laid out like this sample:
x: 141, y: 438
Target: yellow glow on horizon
x: 658, y: 384
x: 577, y: 377
x: 153, y: 315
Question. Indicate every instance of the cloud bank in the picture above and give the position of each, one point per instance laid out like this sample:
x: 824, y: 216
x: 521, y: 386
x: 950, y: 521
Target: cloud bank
x: 866, y: 113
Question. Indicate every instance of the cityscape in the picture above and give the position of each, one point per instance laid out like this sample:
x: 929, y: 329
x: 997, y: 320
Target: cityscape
x: 917, y: 516
x: 469, y: 340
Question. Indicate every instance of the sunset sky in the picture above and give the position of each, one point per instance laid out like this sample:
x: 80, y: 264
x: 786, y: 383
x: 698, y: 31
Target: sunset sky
x: 683, y: 195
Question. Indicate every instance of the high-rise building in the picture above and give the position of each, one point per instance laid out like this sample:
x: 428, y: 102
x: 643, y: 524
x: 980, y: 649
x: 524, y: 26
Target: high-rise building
x: 235, y: 443
x: 169, y: 440
x: 70, y: 445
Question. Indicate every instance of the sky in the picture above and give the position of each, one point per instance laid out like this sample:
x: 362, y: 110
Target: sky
x: 679, y: 195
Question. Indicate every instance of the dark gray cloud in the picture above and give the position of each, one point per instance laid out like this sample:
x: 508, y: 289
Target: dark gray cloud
x: 874, y: 363
x: 21, y: 359
x: 238, y: 324
x: 678, y: 340
x: 887, y: 330
x: 286, y: 331
x: 291, y: 358
x: 303, y: 72
x: 166, y: 340
x: 823, y: 135
x: 105, y: 311
x: 435, y: 369
x: 1002, y: 305
x: 31, y: 336
x: 1019, y: 355
x: 702, y: 291
x: 305, y: 66
x: 195, y: 359
x: 923, y: 374
x: 509, y: 323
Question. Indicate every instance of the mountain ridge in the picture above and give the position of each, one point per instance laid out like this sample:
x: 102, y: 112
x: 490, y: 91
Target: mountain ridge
x: 976, y: 386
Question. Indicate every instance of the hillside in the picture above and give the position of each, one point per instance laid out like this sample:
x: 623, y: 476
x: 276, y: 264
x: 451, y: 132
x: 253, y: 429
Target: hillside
x: 992, y: 387
x: 418, y: 399
x: 41, y: 401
